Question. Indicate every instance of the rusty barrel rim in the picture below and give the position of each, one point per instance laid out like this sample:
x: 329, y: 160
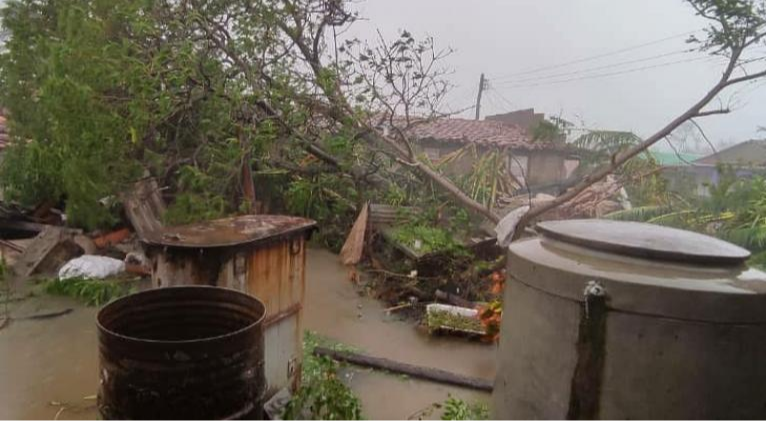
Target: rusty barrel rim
x: 116, y: 305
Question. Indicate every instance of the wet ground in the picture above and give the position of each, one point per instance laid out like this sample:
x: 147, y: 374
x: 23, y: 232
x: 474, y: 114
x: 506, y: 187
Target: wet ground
x: 49, y: 367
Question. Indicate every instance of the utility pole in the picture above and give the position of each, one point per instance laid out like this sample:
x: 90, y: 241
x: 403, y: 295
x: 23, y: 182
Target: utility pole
x: 482, y: 87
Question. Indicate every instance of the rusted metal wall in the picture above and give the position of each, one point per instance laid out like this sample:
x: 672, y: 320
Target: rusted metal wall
x: 276, y: 276
x: 273, y: 272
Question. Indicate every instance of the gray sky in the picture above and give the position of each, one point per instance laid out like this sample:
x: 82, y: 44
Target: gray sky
x: 505, y: 37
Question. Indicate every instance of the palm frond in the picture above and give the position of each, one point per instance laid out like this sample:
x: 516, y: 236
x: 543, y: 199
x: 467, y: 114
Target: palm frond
x: 606, y: 141
x: 639, y: 214
x: 752, y: 238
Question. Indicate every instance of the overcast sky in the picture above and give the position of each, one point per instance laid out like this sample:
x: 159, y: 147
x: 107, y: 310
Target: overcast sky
x: 503, y: 38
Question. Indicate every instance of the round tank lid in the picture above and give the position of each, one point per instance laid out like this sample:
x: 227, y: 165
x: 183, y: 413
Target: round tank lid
x: 638, y: 239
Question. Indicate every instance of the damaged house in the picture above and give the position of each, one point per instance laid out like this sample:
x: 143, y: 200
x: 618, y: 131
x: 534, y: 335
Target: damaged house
x: 537, y: 164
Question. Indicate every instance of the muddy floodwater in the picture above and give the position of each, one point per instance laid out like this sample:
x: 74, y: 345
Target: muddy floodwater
x: 49, y: 367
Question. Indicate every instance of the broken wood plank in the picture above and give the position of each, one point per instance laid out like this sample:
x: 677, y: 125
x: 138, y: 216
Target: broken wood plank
x: 32, y: 227
x: 144, y: 207
x: 111, y: 238
x: 381, y: 214
x: 50, y: 249
x: 425, y: 373
x: 351, y: 253
x: 12, y: 246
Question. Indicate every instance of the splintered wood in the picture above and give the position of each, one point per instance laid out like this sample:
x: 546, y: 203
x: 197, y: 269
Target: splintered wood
x: 144, y: 207
x: 351, y: 253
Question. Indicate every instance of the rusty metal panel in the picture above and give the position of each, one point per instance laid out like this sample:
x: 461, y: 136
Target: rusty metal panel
x: 267, y: 263
x: 282, y: 354
x: 234, y: 273
x: 270, y: 276
x: 276, y: 276
x: 168, y: 271
x: 230, y: 232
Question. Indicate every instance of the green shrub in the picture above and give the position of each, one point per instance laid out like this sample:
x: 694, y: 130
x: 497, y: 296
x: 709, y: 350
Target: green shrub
x: 322, y: 394
x: 94, y: 292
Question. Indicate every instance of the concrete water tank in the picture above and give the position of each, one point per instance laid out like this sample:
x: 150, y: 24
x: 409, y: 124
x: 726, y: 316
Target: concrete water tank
x: 617, y: 320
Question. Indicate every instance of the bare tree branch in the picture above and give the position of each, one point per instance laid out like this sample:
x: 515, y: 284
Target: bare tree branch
x: 623, y: 157
x: 712, y: 112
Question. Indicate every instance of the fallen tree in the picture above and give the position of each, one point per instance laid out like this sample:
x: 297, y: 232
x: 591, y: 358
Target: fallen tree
x: 737, y: 27
x: 202, y: 94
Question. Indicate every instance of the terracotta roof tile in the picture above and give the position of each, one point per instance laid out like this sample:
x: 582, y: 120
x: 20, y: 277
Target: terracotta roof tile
x: 480, y: 132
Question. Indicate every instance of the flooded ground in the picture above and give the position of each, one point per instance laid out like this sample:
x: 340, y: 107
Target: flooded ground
x: 47, y: 363
x: 50, y: 364
x: 333, y: 308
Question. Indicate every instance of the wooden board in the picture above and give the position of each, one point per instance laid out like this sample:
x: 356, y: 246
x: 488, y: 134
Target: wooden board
x: 52, y: 241
x: 144, y: 207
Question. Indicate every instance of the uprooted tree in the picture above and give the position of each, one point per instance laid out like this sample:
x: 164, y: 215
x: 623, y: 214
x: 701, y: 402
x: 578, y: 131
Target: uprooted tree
x: 198, y: 93
x: 736, y: 31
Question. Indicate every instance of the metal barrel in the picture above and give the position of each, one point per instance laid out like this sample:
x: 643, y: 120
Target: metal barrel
x: 190, y: 352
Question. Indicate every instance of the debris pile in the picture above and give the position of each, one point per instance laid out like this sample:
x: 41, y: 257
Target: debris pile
x: 37, y: 246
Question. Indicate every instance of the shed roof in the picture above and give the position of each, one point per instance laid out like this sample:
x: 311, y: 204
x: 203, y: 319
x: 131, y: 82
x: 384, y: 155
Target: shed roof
x: 749, y: 153
x: 230, y: 232
x: 479, y: 132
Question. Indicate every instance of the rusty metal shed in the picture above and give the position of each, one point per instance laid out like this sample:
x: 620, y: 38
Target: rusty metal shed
x: 262, y: 255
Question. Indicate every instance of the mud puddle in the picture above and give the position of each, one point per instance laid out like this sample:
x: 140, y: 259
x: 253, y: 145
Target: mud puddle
x: 50, y: 364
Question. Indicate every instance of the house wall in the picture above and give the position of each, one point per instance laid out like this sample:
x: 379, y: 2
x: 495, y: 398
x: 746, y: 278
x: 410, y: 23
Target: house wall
x: 541, y: 167
x: 545, y: 167
x: 696, y: 179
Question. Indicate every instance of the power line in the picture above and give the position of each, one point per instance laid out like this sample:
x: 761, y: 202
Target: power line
x: 597, y: 76
x: 596, y: 57
x: 608, y: 66
x: 498, y: 94
x: 491, y: 99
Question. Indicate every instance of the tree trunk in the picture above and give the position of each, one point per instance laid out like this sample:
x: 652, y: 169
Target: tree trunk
x: 426, y: 373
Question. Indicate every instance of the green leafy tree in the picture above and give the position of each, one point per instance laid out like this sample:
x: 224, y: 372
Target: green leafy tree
x: 101, y: 92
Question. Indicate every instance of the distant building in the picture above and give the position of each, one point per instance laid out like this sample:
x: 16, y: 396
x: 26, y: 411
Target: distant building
x: 536, y: 163
x: 746, y: 159
x: 526, y: 120
x: 672, y: 159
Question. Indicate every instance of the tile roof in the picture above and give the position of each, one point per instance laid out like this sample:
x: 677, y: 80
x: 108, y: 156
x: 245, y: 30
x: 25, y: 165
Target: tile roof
x: 749, y: 153
x: 480, y: 132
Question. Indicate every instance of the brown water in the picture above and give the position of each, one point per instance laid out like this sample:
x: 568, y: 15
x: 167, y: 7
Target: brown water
x: 333, y: 308
x: 45, y: 364
x: 51, y: 364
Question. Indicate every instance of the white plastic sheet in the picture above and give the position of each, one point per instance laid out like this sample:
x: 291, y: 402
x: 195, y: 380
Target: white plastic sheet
x: 93, y: 267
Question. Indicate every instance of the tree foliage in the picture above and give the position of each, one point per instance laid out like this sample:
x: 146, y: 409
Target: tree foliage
x: 101, y: 92
x: 734, y: 210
